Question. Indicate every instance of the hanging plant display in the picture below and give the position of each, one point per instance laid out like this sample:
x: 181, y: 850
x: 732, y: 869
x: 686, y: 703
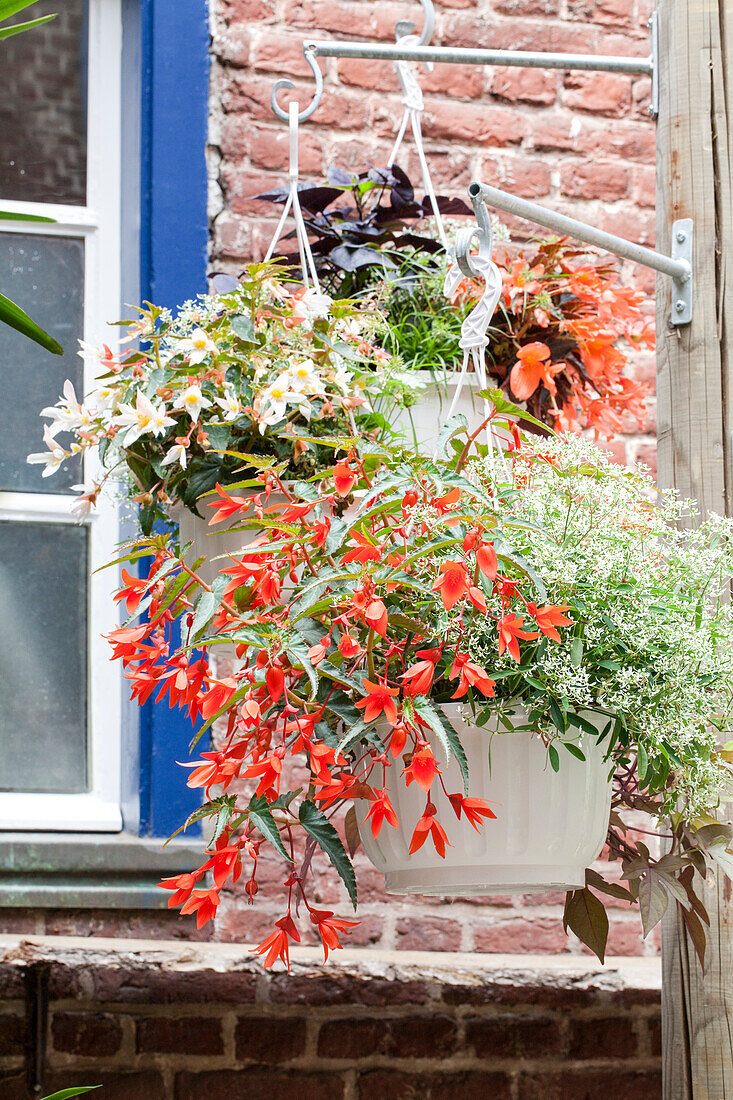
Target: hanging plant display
x: 249, y: 379
x: 587, y: 642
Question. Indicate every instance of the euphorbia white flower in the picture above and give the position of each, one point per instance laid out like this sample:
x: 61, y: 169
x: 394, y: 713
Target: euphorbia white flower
x: 192, y: 401
x: 144, y: 418
x: 197, y: 346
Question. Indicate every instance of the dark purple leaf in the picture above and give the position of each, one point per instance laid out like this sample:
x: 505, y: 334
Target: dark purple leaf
x: 351, y: 258
x: 402, y: 190
x: 447, y: 205
x: 338, y: 178
x: 222, y: 283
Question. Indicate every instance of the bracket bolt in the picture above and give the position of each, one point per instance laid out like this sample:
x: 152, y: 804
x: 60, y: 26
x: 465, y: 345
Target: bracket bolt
x: 679, y: 306
x: 681, y: 236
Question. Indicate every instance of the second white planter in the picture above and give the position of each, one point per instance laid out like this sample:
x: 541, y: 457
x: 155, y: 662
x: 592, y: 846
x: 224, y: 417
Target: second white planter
x: 548, y: 828
x: 424, y: 420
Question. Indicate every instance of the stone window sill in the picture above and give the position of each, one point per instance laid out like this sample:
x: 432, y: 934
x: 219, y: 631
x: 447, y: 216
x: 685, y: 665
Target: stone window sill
x: 84, y: 871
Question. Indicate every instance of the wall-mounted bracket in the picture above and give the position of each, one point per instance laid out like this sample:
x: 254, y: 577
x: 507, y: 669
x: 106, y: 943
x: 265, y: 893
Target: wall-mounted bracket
x: 678, y: 266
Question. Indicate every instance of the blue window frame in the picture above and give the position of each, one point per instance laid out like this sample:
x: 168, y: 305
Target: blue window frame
x: 173, y: 49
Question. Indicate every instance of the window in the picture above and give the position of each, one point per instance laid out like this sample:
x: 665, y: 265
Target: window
x: 60, y: 696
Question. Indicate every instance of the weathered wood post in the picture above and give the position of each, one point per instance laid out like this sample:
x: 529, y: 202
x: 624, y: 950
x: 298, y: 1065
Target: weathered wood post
x: 695, y: 378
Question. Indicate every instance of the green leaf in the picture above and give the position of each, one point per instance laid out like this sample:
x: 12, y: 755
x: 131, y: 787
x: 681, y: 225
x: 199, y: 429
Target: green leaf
x: 501, y: 405
x: 576, y: 652
x: 353, y: 735
x: 557, y: 715
x: 11, y: 216
x: 18, y: 28
x: 243, y: 328
x: 554, y: 758
x: 66, y: 1094
x: 337, y: 533
x: 17, y: 318
x: 585, y: 916
x: 426, y: 712
x: 574, y: 751
x: 8, y: 8
x: 452, y: 427
x: 324, y: 834
x: 262, y: 819
x: 642, y: 762
x: 222, y: 821
x: 456, y: 748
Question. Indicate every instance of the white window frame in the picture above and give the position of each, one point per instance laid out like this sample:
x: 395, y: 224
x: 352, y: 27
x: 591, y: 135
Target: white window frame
x: 98, y: 224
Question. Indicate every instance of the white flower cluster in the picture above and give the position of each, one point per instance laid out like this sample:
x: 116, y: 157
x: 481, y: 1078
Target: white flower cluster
x: 652, y: 633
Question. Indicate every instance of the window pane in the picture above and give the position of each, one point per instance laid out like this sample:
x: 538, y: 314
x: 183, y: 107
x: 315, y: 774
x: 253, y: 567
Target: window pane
x: 44, y: 275
x: 43, y: 643
x: 43, y: 94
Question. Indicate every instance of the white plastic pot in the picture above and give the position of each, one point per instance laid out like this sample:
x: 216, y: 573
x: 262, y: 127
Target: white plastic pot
x: 423, y: 421
x: 549, y: 827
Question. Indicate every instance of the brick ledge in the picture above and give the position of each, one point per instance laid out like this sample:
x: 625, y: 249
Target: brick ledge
x: 618, y: 975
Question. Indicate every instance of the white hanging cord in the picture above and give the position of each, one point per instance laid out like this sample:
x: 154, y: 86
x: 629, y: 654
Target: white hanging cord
x: 307, y: 263
x: 414, y: 105
x: 474, y: 339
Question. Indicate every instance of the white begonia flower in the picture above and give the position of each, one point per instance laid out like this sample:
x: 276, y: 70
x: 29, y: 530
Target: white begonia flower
x: 50, y: 459
x: 144, y: 418
x: 342, y: 378
x: 304, y: 377
x: 66, y: 415
x: 98, y: 353
x: 272, y: 406
x: 177, y: 453
x: 311, y: 305
x: 349, y: 328
x: 230, y: 404
x: 105, y: 397
x: 198, y: 346
x: 192, y: 401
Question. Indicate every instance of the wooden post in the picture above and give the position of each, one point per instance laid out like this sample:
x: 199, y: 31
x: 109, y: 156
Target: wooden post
x: 695, y: 380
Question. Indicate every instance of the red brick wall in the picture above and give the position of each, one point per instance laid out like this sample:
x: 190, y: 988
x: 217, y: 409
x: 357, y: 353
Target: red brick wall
x: 581, y: 143
x: 176, y: 1024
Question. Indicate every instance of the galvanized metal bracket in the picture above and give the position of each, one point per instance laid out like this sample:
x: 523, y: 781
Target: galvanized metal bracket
x: 654, y: 58
x: 678, y: 266
x: 682, y: 241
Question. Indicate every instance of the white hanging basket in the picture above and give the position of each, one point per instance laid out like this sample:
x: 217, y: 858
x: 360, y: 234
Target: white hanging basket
x: 424, y: 420
x: 549, y: 827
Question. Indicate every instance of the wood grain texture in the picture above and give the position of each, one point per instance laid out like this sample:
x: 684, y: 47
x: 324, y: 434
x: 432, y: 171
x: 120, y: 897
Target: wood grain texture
x: 695, y: 389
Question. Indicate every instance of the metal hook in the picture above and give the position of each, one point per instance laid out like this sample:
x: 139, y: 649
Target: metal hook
x: 284, y: 114
x: 482, y: 232
x: 406, y: 26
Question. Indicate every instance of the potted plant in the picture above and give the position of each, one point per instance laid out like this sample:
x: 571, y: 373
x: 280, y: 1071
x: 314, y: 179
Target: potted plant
x: 587, y: 639
x: 264, y: 375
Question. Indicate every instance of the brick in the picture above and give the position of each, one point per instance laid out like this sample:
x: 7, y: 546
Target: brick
x: 528, y: 7
x: 148, y: 986
x: 591, y: 1085
x: 269, y: 1039
x: 342, y: 989
x: 455, y: 1086
x: 602, y: 11
x: 511, y: 1036
x: 600, y: 93
x: 231, y: 45
x: 255, y: 1085
x: 604, y: 180
x: 280, y: 53
x: 496, y: 126
x: 428, y: 934
x: 365, y: 73
x: 423, y: 1037
x: 244, y: 11
x: 644, y: 186
x: 86, y: 1034
x: 352, y: 1038
x: 655, y: 1035
x: 267, y: 147
x: 522, y: 936
x: 189, y: 1035
x: 12, y: 1035
x: 535, y: 86
x: 520, y: 175
x: 605, y: 1037
x: 113, y: 1086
